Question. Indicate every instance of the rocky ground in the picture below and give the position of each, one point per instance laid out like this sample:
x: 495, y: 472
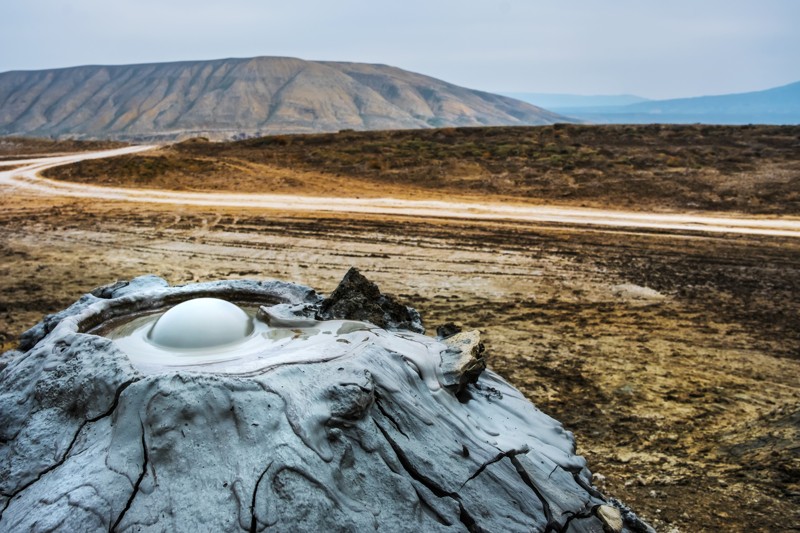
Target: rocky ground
x: 674, y: 358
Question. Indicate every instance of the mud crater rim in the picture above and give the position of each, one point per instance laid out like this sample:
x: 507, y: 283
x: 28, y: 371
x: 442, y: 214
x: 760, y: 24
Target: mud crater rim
x: 255, y: 347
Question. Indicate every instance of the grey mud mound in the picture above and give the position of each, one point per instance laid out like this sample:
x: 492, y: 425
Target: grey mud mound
x: 358, y: 432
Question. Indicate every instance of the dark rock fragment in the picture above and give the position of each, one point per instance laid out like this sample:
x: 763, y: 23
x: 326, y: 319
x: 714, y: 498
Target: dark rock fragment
x: 447, y: 330
x: 357, y: 298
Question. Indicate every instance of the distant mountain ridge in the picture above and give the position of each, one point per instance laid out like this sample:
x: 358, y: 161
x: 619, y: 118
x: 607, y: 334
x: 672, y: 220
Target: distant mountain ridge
x: 232, y: 98
x: 779, y: 105
x: 556, y: 101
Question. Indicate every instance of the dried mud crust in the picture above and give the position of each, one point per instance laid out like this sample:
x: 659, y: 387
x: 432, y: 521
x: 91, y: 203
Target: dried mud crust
x: 750, y: 169
x: 686, y: 403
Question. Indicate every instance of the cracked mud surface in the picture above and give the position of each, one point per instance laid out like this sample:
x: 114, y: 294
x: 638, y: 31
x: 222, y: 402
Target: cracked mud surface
x: 366, y: 439
x: 687, y: 404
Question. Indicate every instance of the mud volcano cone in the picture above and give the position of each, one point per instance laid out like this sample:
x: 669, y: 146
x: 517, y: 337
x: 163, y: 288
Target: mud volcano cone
x: 274, y: 410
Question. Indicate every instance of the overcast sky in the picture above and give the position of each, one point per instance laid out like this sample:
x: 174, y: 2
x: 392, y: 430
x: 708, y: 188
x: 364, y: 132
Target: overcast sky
x: 653, y: 48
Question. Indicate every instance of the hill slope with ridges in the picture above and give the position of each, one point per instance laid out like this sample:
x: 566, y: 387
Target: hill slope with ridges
x: 231, y: 98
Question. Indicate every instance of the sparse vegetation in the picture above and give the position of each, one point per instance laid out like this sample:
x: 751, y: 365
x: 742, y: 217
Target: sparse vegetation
x: 753, y: 169
x: 14, y: 147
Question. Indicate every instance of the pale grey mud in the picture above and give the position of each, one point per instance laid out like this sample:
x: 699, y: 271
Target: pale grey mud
x: 340, y: 426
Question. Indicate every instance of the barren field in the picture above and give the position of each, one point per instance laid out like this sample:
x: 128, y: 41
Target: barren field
x: 674, y: 357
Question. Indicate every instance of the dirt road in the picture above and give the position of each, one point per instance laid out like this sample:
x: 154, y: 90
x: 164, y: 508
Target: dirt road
x: 25, y: 175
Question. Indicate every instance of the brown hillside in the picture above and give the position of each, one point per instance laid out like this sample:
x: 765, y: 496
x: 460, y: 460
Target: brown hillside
x: 232, y: 98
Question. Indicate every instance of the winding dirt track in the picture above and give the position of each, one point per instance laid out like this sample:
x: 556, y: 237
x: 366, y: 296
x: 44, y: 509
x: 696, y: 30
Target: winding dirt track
x: 25, y: 175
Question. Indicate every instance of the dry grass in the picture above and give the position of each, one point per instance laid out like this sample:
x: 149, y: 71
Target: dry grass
x: 751, y: 169
x: 14, y: 147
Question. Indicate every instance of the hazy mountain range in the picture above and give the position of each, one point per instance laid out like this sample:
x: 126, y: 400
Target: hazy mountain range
x: 553, y: 101
x: 780, y: 105
x: 243, y: 97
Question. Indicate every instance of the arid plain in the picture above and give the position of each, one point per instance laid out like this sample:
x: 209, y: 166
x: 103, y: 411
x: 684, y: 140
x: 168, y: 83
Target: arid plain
x: 674, y: 356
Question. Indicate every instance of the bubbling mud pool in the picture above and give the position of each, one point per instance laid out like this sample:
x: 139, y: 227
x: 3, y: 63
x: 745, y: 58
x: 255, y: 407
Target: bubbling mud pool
x: 214, y: 335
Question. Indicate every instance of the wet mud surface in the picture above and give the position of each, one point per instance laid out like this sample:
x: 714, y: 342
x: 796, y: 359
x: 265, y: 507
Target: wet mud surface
x: 684, y: 398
